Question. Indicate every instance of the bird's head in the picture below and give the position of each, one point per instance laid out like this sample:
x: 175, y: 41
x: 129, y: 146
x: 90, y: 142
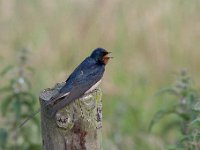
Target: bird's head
x: 101, y: 55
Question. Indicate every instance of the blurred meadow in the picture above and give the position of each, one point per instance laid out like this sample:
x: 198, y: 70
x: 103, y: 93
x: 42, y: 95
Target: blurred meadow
x: 151, y: 42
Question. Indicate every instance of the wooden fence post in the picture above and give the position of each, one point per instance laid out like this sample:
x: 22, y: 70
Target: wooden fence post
x: 75, y: 127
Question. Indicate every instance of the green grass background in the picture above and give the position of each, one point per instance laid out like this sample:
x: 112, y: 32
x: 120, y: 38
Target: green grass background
x: 151, y: 41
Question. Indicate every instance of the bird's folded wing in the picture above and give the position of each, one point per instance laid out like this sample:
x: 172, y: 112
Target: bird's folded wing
x: 73, y: 78
x: 80, y: 86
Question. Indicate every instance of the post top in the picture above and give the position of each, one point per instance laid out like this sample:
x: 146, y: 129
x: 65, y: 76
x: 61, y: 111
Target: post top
x: 46, y: 94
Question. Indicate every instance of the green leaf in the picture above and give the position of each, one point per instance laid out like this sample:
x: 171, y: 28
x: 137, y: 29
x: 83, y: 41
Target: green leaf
x: 17, y: 107
x: 6, y: 70
x: 196, y: 122
x: 167, y: 90
x: 169, y: 126
x: 28, y: 104
x: 6, y: 103
x: 35, y: 147
x: 3, y: 138
x: 197, y: 107
x: 27, y: 96
x: 173, y: 147
x: 184, y: 140
x: 13, y: 82
x: 159, y: 115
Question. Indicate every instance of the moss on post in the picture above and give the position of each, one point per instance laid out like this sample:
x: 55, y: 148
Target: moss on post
x: 75, y: 127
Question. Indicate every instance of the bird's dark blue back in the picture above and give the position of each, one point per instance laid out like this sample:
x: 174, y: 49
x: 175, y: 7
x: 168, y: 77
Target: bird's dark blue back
x: 86, y: 65
x: 82, y: 78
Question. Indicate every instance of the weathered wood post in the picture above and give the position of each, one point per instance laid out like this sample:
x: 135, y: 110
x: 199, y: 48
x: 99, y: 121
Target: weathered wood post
x: 76, y: 126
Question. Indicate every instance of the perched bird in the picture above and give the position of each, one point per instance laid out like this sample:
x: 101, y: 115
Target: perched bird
x: 84, y: 79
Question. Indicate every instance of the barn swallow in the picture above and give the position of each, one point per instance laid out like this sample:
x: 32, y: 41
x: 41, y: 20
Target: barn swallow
x: 84, y: 79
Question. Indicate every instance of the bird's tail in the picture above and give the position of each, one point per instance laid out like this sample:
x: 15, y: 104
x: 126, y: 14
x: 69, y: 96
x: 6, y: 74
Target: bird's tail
x: 35, y: 113
x: 29, y: 118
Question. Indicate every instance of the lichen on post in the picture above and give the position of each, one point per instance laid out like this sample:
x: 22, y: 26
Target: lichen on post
x: 77, y: 126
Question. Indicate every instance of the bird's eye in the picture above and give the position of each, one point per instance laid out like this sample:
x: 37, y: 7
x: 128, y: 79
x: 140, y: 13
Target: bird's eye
x: 105, y: 53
